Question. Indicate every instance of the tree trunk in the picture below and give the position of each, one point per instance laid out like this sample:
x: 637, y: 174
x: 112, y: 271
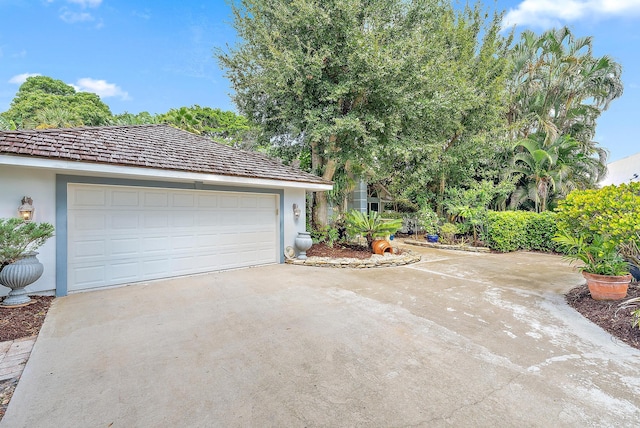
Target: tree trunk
x: 440, y: 204
x: 320, y: 206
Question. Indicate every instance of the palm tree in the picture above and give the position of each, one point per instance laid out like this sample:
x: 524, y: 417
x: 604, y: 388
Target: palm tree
x: 557, y: 87
x: 54, y: 117
x: 550, y: 171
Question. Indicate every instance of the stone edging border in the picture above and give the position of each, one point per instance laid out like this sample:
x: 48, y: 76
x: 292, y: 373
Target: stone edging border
x: 447, y: 247
x: 376, y: 261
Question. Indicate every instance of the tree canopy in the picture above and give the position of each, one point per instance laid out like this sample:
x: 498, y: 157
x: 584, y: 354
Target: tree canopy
x: 364, y: 83
x: 41, y: 100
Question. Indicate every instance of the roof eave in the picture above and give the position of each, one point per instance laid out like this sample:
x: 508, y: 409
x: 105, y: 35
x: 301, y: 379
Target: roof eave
x: 94, y: 168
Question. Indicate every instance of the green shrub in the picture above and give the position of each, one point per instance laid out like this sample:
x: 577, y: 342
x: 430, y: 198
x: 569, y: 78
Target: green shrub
x: 520, y: 230
x: 327, y: 234
x: 506, y: 230
x: 613, y: 211
x: 448, y: 232
x: 540, y: 230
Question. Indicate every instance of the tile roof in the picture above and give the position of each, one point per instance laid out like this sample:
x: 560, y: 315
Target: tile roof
x: 149, y: 146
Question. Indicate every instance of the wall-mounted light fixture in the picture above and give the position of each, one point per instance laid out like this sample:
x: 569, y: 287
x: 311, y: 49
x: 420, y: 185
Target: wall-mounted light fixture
x: 26, y: 209
x: 296, y: 211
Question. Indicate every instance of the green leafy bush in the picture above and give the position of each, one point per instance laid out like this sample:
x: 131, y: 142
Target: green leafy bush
x: 448, y: 232
x: 520, y: 230
x: 540, y: 230
x: 612, y: 211
x: 506, y: 230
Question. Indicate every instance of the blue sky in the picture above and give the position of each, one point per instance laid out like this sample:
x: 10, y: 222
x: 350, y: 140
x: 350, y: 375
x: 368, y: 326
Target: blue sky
x: 156, y: 55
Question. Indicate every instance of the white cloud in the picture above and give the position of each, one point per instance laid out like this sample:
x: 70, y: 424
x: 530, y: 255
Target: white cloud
x: 86, y: 3
x: 19, y: 79
x: 73, y: 17
x: 549, y: 13
x: 101, y: 88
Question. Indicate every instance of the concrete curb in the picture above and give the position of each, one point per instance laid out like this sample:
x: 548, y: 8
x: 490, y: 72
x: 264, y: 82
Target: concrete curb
x: 376, y: 261
x: 447, y: 247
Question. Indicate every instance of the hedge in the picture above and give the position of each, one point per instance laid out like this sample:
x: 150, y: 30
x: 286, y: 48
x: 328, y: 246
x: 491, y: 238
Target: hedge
x: 612, y: 211
x: 520, y: 230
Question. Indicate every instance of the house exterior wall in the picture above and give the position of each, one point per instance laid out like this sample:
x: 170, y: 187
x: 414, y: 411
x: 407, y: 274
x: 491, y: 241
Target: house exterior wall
x: 43, y: 185
x: 358, y: 198
x: 623, y: 171
x: 17, y: 182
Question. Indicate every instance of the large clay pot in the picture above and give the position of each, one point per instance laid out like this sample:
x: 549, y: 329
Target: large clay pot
x: 607, y: 287
x: 17, y: 276
x: 381, y: 246
x: 303, y: 243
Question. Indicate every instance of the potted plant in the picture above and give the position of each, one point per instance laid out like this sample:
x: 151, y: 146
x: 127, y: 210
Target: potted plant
x: 604, y: 268
x: 430, y: 223
x: 19, y: 265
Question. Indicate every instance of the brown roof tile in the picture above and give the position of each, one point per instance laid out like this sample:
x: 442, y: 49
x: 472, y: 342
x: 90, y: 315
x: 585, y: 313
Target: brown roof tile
x: 149, y: 146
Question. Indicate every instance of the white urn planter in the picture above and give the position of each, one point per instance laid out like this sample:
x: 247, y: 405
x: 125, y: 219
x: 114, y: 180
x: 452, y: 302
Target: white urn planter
x: 303, y: 243
x: 17, y: 276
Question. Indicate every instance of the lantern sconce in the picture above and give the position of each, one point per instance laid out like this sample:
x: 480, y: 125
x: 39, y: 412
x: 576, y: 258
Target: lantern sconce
x: 26, y: 209
x: 296, y: 211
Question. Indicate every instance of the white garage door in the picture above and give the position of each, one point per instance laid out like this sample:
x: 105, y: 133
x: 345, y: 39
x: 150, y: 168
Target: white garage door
x: 118, y: 234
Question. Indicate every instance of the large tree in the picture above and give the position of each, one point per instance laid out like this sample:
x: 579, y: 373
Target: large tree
x: 353, y: 80
x: 44, y: 102
x: 557, y: 87
x: 558, y: 90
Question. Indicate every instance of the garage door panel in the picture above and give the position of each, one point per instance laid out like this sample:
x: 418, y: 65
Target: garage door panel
x: 124, y: 271
x: 85, y: 197
x: 88, y: 222
x: 122, y: 234
x: 155, y: 244
x: 89, y: 249
x: 183, y: 219
x: 90, y: 276
x: 207, y: 201
x: 156, y: 199
x: 122, y: 247
x: 125, y: 220
x: 155, y: 220
x: 121, y: 198
x: 183, y: 201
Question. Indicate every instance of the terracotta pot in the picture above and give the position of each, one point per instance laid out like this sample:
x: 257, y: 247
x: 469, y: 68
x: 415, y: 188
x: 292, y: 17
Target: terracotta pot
x: 607, y: 287
x: 381, y: 246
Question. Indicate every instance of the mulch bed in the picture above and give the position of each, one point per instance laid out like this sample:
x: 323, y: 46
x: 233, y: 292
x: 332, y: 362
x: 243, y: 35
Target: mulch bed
x: 25, y: 321
x: 339, y: 251
x: 607, y: 314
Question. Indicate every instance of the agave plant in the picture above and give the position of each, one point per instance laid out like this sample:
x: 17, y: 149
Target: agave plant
x: 370, y: 226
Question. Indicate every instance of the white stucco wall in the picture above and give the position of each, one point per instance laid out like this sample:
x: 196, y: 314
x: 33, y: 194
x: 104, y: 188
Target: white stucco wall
x: 623, y: 171
x: 292, y: 225
x: 16, y: 182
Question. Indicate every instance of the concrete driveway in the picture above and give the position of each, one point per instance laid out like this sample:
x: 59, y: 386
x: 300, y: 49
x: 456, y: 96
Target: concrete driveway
x: 460, y: 339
